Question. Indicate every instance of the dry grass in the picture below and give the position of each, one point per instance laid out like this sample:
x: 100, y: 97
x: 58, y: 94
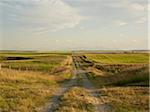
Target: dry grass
x: 127, y: 99
x: 116, y: 68
x: 134, y: 77
x: 76, y: 100
x: 124, y: 83
x: 127, y: 91
x: 25, y: 91
x: 28, y: 90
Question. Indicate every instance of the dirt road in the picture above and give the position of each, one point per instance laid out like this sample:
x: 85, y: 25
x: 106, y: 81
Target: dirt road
x: 99, y: 107
x: 77, y: 64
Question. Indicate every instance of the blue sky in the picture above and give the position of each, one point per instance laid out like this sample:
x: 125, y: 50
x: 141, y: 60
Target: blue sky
x: 73, y: 24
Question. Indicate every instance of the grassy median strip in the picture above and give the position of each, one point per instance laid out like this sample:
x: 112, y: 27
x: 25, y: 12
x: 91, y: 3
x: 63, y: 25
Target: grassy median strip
x: 77, y: 99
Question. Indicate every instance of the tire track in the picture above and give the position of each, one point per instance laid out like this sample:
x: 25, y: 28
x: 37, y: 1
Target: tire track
x: 77, y: 70
x: 55, y: 101
x: 52, y: 106
x: 89, y: 86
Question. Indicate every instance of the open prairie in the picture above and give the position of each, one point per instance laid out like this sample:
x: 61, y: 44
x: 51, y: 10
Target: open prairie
x: 74, y: 56
x: 74, y: 82
x: 29, y: 80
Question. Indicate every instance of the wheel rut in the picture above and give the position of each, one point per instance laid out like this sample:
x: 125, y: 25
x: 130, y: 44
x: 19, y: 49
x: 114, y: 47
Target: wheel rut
x: 77, y: 70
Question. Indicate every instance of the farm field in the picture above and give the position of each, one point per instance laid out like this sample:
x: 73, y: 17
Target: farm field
x: 74, y: 82
x: 121, y: 58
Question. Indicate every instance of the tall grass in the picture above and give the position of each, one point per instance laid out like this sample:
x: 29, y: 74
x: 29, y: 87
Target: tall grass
x: 76, y: 100
x: 134, y: 77
x: 127, y: 99
x: 32, y: 61
x: 26, y: 88
x: 24, y: 91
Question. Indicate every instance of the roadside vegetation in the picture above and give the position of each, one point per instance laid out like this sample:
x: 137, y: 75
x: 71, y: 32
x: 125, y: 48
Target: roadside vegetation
x: 31, y: 80
x: 24, y: 91
x: 133, y: 77
x: 123, y: 80
x: 126, y: 99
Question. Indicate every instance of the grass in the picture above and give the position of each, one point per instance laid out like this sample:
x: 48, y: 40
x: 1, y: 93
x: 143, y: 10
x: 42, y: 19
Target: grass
x: 76, y: 100
x: 33, y: 53
x: 32, y: 61
x: 126, y: 91
x: 24, y: 91
x: 119, y: 73
x: 116, y: 68
x: 119, y: 58
x: 134, y: 77
x: 31, y: 83
x: 127, y: 99
x: 28, y: 91
x: 122, y: 80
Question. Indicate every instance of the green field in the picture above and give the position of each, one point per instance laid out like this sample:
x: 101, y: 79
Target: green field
x: 32, y: 61
x: 119, y: 58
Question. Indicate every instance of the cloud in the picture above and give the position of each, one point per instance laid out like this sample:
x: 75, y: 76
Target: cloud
x: 114, y: 41
x: 148, y: 7
x: 141, y: 20
x: 134, y: 41
x: 39, y: 15
x: 81, y: 27
x: 136, y: 7
x: 121, y: 35
x: 56, y: 41
x: 120, y: 23
x: 130, y: 5
x: 69, y: 41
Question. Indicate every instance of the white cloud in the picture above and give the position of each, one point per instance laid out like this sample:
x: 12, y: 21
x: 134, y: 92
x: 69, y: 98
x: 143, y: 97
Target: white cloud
x: 68, y: 41
x: 141, y: 20
x: 133, y: 8
x: 121, y: 35
x: 136, y: 7
x: 81, y: 27
x: 148, y: 7
x: 120, y: 23
x: 56, y: 41
x: 114, y: 41
x: 40, y: 15
x: 134, y: 41
x: 128, y: 5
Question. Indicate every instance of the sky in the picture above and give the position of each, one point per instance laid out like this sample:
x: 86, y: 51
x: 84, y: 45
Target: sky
x: 73, y: 24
